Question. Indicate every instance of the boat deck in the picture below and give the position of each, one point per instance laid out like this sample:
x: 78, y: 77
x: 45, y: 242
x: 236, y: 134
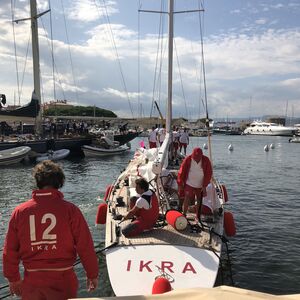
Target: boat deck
x: 164, y: 233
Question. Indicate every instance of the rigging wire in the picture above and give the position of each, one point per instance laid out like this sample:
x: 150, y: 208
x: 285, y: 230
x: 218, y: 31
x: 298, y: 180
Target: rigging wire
x: 201, y: 6
x: 202, y: 55
x: 160, y: 42
x: 182, y: 88
x: 116, y: 53
x: 70, y: 55
x: 52, y: 50
x: 53, y: 61
x: 25, y: 64
x: 12, y: 4
x: 139, y: 60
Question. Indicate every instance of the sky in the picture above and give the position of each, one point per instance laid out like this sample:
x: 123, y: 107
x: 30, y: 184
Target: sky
x: 108, y: 54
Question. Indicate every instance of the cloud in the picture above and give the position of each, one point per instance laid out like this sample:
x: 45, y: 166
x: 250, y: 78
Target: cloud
x: 292, y: 83
x: 261, y: 21
x: 91, y: 10
x: 241, y: 63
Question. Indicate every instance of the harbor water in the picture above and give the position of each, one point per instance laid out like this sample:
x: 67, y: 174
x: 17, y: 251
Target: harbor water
x: 263, y: 189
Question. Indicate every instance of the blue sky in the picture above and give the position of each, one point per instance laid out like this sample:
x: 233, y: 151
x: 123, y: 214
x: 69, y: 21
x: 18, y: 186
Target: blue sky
x: 251, y: 48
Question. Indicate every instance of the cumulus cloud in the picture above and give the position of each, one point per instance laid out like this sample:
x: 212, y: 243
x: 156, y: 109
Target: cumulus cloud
x: 242, y: 63
x: 91, y: 10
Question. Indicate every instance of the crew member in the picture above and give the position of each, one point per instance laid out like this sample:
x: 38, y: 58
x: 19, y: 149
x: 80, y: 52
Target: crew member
x: 162, y: 134
x: 184, y: 140
x: 144, y: 208
x: 152, y: 138
x: 193, y: 177
x: 46, y: 233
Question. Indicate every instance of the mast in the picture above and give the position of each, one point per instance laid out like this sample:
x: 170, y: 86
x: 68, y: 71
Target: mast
x: 170, y: 67
x: 36, y: 62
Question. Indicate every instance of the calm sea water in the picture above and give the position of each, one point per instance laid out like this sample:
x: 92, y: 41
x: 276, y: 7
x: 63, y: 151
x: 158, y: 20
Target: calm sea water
x: 263, y: 190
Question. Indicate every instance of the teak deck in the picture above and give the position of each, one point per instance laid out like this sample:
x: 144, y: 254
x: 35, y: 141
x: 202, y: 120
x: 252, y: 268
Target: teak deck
x: 161, y: 235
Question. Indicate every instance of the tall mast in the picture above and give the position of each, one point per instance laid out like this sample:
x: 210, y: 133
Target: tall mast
x: 36, y: 62
x: 170, y: 67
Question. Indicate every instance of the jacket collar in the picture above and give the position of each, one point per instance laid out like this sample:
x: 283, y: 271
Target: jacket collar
x: 47, y: 194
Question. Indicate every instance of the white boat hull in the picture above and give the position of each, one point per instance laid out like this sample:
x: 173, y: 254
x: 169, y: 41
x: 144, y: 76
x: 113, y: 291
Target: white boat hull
x: 133, y: 269
x: 13, y: 155
x: 90, y: 151
x: 272, y: 133
x: 265, y: 128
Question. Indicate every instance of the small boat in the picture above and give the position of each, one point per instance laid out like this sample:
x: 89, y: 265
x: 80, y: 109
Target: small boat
x: 53, y: 155
x: 13, y: 155
x: 294, y: 139
x: 104, y: 147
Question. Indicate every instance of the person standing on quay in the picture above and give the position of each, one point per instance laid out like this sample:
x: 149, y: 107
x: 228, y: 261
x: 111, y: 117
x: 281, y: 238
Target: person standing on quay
x: 46, y: 233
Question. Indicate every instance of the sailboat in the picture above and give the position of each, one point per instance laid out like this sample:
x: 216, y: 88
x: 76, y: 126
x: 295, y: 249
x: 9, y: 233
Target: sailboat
x: 178, y: 252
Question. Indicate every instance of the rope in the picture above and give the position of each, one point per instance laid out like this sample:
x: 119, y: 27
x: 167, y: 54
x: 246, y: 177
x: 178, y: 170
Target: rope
x: 70, y: 55
x: 25, y: 64
x: 225, y: 241
x: 139, y: 61
x: 117, y: 55
x: 53, y: 61
x: 52, y: 51
x: 157, y: 78
x: 6, y: 296
x: 76, y: 263
x: 15, y: 46
x: 181, y: 82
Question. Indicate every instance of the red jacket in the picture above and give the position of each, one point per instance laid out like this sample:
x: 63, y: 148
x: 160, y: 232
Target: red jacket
x: 185, y: 168
x: 148, y: 217
x: 47, y: 232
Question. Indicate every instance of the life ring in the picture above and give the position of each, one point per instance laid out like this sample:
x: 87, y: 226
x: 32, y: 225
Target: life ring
x: 101, y: 214
x: 229, y: 224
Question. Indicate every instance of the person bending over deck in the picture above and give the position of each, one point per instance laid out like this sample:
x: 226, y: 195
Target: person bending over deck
x: 46, y: 233
x: 193, y: 177
x: 144, y: 208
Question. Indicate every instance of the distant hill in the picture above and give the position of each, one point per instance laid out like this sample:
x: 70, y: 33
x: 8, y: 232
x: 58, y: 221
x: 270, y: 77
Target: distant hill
x: 83, y: 111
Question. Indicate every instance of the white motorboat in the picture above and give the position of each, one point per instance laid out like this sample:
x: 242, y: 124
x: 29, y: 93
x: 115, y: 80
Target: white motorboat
x: 183, y: 254
x: 53, y: 155
x: 265, y: 128
x: 104, y: 147
x: 94, y: 151
x: 13, y: 155
x: 294, y: 139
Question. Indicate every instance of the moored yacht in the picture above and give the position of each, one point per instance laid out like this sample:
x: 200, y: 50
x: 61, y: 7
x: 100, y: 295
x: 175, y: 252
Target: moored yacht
x: 265, y: 128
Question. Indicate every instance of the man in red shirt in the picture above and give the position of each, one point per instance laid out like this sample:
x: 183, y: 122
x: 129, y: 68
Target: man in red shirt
x: 46, y: 233
x: 193, y: 177
x: 144, y: 208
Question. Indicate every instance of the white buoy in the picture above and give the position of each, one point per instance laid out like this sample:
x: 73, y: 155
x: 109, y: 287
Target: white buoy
x: 266, y: 148
x: 272, y: 146
x: 230, y: 147
x: 205, y: 146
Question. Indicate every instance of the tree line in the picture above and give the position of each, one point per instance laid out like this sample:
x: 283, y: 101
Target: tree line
x: 85, y: 111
